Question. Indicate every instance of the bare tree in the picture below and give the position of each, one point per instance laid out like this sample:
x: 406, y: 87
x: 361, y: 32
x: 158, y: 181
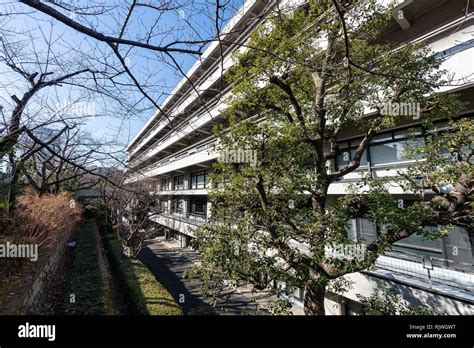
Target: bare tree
x: 46, y: 172
x: 129, y: 208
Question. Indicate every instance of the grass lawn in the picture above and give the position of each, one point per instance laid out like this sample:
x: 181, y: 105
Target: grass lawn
x: 147, y: 295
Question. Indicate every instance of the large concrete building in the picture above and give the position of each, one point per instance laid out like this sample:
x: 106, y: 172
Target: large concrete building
x: 176, y: 151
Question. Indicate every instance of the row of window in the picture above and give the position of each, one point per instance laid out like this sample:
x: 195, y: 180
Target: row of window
x: 383, y: 149
x: 199, y: 180
x: 197, y: 206
x: 390, y: 147
x: 456, y: 248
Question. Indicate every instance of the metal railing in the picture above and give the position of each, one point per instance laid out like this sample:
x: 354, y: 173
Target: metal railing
x: 189, y: 218
x: 429, y: 268
x: 179, y: 155
x: 219, y: 97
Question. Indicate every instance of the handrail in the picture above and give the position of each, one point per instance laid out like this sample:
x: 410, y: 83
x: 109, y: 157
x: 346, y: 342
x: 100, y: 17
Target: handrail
x: 209, y: 104
x: 180, y: 155
x: 193, y: 219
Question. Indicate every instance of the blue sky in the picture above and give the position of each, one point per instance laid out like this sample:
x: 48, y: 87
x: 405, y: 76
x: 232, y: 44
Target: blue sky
x: 193, y: 20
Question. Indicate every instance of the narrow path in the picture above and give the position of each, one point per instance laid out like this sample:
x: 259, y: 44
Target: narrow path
x: 169, y: 265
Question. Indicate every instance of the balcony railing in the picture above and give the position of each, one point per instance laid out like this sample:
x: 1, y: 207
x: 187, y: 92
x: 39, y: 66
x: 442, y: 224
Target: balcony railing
x: 223, y: 95
x: 189, y: 218
x: 429, y: 268
x: 180, y: 155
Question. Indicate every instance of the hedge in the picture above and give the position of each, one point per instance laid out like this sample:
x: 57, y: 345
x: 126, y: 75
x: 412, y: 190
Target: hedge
x: 147, y: 296
x: 87, y: 284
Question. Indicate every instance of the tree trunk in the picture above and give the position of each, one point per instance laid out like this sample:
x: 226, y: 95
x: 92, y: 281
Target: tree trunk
x: 16, y: 167
x: 314, y: 298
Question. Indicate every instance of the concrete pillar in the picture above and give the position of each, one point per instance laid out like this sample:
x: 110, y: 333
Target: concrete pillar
x: 187, y: 181
x: 184, y: 241
x: 208, y: 210
x: 185, y: 206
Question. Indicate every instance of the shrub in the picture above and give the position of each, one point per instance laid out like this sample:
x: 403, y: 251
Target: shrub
x: 37, y: 220
x: 146, y: 294
x: 41, y: 219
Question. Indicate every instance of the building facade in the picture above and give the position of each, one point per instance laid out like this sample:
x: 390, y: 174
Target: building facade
x: 177, y: 152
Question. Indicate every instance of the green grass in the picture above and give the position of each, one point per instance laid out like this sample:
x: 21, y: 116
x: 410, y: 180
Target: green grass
x: 146, y: 294
x: 87, y: 284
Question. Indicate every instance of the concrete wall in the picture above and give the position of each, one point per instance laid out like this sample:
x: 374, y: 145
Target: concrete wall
x: 29, y: 299
x: 366, y: 285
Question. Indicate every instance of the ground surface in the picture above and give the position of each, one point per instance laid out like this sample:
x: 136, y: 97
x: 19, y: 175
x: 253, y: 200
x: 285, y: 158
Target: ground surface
x: 57, y: 296
x: 168, y: 262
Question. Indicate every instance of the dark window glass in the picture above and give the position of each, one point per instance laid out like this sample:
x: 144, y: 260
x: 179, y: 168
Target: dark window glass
x: 177, y: 206
x: 415, y: 246
x: 387, y: 153
x: 199, y: 180
x: 178, y: 183
x: 198, y: 206
x: 392, y: 152
x: 347, y: 155
x: 164, y: 185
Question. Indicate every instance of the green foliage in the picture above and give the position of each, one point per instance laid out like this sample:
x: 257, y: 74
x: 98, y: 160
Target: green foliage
x: 146, y: 294
x: 292, y: 93
x: 447, y: 166
x: 4, y: 206
x: 88, y: 283
x: 390, y: 303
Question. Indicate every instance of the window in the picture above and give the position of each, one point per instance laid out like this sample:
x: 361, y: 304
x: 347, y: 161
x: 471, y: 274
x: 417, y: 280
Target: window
x: 393, y: 151
x: 178, y: 183
x: 384, y: 148
x: 163, y: 204
x: 199, y: 206
x: 348, y: 153
x: 415, y: 246
x: 177, y: 206
x: 387, y: 153
x: 164, y: 185
x: 199, y: 180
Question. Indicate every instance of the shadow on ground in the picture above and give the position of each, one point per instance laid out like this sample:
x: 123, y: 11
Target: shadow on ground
x: 168, y: 267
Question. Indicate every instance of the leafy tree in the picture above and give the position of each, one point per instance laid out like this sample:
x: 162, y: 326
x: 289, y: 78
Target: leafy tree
x: 305, y: 77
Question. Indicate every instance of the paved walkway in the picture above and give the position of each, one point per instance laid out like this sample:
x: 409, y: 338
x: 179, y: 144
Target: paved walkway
x: 168, y: 262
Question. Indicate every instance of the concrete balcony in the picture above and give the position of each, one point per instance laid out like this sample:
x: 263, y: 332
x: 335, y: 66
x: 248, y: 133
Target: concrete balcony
x: 202, y: 153
x: 188, y: 192
x: 379, y: 171
x: 195, y: 121
x: 205, y: 71
x: 182, y: 222
x: 198, y: 121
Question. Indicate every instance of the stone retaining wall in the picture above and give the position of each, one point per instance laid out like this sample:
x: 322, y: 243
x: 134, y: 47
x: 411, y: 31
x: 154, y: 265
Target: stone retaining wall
x: 31, y: 294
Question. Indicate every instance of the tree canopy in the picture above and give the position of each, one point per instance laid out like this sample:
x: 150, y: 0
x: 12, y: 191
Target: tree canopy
x: 303, y: 78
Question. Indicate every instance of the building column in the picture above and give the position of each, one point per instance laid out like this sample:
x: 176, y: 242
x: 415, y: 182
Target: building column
x: 208, y: 209
x: 184, y: 241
